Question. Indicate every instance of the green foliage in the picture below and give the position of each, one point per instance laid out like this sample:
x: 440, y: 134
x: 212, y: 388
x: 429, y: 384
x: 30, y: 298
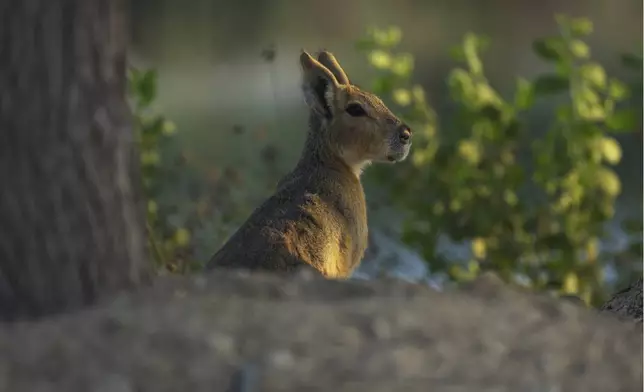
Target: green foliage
x: 168, y: 245
x: 534, y: 214
x: 630, y: 119
x: 191, y: 207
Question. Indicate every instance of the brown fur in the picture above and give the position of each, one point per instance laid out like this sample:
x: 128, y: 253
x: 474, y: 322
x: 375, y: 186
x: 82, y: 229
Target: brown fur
x: 318, y: 215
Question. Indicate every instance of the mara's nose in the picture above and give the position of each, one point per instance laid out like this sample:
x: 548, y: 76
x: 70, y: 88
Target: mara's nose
x: 404, y: 134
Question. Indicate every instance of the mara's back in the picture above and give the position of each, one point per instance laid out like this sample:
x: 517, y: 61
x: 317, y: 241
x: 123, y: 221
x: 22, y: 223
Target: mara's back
x: 317, y: 216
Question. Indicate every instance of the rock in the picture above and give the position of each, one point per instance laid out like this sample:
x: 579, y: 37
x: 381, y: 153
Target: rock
x: 235, y: 331
x: 627, y: 303
x: 573, y: 299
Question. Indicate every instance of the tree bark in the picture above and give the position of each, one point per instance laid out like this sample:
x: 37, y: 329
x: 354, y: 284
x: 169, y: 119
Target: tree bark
x: 71, y: 216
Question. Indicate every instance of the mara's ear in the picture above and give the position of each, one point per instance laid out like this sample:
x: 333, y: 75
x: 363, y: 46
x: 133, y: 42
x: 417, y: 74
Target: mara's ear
x: 328, y: 60
x: 319, y: 86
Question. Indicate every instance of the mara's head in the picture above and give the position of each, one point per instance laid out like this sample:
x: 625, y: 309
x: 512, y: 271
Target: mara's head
x: 356, y: 125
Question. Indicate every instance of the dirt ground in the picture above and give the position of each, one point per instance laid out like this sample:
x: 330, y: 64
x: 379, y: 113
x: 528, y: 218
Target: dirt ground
x: 237, y: 332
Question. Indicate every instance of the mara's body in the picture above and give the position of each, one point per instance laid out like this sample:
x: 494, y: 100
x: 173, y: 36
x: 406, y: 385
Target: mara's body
x: 318, y: 216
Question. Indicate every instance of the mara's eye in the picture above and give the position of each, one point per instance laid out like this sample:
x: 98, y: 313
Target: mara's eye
x: 356, y: 110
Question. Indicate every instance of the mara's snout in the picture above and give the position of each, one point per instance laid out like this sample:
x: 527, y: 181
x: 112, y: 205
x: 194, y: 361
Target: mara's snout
x: 399, y: 144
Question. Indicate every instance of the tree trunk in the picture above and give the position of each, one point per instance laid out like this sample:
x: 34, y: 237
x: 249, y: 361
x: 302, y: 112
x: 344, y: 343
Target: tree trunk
x: 71, y: 217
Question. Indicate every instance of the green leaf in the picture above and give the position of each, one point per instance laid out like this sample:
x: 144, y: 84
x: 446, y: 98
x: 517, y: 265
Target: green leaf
x: 587, y: 95
x: 579, y: 49
x: 182, y: 237
x: 588, y: 105
x: 152, y: 126
x: 461, y: 84
x: 564, y: 69
x: 550, y: 48
x: 524, y: 96
x: 632, y: 61
x: 581, y: 27
x: 491, y: 112
x: 551, y: 84
x: 512, y: 129
x: 608, y: 181
x: 622, y: 120
x: 563, y: 113
x: 470, y: 150
x: 169, y: 128
x: 153, y: 207
x: 472, y: 44
x: 403, y: 64
x: 611, y: 150
x: 594, y: 73
x: 457, y: 53
x: 590, y: 111
x: 380, y: 59
x: 617, y: 89
x: 402, y: 96
x: 388, y: 38
x: 510, y: 197
x: 150, y: 158
x: 557, y: 241
x: 571, y: 284
x: 486, y: 94
x: 479, y: 248
x: 395, y: 35
x: 147, y: 87
x: 418, y: 93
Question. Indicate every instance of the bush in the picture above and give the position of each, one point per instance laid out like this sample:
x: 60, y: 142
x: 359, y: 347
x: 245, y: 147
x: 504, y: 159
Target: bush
x: 533, y: 210
x: 191, y: 209
x: 153, y: 132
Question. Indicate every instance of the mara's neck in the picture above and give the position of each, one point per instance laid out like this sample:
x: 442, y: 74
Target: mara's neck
x: 318, y: 153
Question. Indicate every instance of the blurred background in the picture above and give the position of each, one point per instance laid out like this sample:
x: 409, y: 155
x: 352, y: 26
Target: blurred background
x: 226, y: 75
